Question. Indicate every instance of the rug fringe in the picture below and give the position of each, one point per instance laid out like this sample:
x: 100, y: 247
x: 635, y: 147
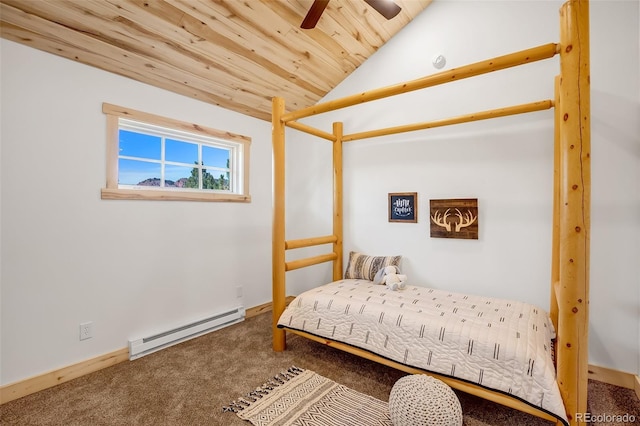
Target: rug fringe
x: 261, y: 391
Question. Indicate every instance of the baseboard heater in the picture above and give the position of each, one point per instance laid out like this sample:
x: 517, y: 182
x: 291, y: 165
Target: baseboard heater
x: 141, y: 347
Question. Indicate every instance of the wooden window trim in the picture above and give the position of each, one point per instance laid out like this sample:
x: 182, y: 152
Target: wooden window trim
x: 112, y: 192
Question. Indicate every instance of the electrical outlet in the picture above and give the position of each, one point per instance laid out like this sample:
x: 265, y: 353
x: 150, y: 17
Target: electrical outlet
x: 238, y: 291
x: 86, y: 330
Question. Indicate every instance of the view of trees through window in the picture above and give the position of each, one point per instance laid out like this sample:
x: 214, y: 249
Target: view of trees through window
x: 208, y: 181
x: 148, y: 158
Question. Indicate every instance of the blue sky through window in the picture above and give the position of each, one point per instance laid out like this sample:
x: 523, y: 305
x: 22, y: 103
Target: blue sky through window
x: 140, y: 145
x: 132, y: 172
x: 181, y: 152
x: 149, y: 147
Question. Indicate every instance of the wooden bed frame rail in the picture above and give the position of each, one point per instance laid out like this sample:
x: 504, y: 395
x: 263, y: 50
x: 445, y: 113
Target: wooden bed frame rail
x: 461, y: 385
x: 569, y: 286
x: 310, y: 242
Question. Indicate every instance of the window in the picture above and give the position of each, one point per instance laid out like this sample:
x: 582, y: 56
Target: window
x: 156, y: 158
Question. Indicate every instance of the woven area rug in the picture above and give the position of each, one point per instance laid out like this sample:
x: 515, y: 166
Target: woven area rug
x: 302, y: 397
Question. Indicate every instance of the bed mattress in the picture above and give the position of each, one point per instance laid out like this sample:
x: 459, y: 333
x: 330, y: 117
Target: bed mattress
x: 502, y: 345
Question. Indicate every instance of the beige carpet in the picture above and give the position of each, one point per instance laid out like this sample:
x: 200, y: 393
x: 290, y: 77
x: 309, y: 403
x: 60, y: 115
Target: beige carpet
x: 188, y: 384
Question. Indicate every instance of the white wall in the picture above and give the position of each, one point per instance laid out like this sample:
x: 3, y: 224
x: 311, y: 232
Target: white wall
x: 138, y: 267
x: 131, y: 267
x: 505, y: 163
x: 615, y: 247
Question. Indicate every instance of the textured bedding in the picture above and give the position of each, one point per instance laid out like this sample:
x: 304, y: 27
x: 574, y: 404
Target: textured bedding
x: 498, y: 344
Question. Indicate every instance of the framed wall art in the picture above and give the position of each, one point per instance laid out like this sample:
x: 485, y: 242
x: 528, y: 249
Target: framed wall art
x: 454, y: 218
x: 403, y: 207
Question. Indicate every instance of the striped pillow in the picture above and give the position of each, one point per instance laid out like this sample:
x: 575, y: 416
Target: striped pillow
x: 364, y: 267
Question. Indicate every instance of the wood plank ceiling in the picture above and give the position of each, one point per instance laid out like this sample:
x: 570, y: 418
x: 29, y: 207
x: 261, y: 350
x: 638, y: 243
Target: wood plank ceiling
x: 237, y: 54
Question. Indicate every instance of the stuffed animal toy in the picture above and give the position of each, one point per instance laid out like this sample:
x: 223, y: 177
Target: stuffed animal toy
x: 390, y: 276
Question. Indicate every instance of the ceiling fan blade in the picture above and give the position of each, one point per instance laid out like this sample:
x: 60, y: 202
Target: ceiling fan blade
x: 313, y: 15
x: 386, y: 8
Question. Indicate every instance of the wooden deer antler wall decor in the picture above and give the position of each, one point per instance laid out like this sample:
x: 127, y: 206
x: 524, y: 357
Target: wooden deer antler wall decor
x: 454, y: 218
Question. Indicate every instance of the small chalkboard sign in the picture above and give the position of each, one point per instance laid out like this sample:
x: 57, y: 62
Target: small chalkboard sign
x: 403, y: 207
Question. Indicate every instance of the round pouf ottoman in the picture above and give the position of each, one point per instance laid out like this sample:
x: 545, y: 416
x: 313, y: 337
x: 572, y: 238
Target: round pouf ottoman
x: 423, y: 400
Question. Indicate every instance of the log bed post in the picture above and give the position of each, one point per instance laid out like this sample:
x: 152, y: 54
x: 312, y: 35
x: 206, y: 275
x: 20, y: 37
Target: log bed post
x: 337, y: 200
x: 555, y: 230
x: 569, y: 304
x: 574, y: 211
x: 278, y: 237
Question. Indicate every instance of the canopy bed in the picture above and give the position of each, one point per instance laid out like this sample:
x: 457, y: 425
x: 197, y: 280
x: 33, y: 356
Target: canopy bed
x: 563, y: 342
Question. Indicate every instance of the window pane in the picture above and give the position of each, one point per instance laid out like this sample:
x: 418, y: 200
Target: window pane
x: 215, y: 157
x: 181, y: 177
x: 134, y: 144
x: 215, y: 180
x: 181, y: 152
x: 132, y: 172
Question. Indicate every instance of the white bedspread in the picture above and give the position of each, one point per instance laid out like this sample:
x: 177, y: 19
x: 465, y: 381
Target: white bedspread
x: 499, y: 344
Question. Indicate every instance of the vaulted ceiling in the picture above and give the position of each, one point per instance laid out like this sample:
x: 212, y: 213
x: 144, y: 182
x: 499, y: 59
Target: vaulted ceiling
x: 237, y: 54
